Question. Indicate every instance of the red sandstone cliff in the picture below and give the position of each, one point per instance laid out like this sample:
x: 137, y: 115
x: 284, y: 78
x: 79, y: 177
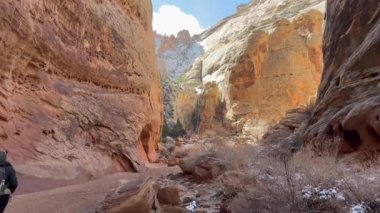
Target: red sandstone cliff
x: 265, y: 59
x: 348, y: 105
x: 79, y: 89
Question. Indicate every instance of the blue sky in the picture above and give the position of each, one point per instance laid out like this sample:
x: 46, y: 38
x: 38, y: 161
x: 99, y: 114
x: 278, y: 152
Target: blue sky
x: 206, y: 12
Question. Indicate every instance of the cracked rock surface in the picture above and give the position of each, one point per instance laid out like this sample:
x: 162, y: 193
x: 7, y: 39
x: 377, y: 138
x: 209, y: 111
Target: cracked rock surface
x: 79, y: 89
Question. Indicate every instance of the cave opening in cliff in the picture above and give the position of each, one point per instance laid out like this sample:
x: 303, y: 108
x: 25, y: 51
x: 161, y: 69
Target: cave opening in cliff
x: 352, y: 137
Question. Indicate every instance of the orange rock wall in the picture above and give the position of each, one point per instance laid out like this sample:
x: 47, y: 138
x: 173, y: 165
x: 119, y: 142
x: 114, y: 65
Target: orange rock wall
x: 210, y: 106
x: 279, y: 71
x: 79, y: 89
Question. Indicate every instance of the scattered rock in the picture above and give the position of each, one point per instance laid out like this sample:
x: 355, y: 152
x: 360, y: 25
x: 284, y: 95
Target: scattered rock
x: 173, y: 162
x: 188, y: 164
x: 202, y: 173
x: 135, y: 196
x: 164, y: 152
x: 179, y: 142
x: 169, y: 140
x: 237, y: 205
x: 180, y: 152
x: 169, y: 195
x: 373, y: 206
x: 170, y: 144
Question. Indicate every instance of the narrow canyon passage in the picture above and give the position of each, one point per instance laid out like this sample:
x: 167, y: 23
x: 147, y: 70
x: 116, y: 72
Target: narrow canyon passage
x: 140, y: 106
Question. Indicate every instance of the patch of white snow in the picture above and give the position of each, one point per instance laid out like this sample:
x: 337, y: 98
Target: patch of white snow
x: 192, y: 206
x: 358, y: 208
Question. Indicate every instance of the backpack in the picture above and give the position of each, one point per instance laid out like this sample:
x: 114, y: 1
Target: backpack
x: 3, y: 178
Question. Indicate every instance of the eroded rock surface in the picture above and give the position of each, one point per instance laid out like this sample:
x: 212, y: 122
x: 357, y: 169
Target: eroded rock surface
x: 202, y: 167
x: 348, y: 105
x: 264, y: 64
x: 79, y: 88
x: 186, y: 108
x: 212, y: 109
x: 134, y: 196
x: 169, y: 196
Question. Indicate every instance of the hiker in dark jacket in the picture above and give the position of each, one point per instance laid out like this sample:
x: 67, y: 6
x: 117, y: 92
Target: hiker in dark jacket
x: 8, y: 181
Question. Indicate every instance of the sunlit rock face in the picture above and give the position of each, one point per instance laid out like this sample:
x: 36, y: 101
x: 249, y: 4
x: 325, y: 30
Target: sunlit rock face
x: 176, y: 55
x: 265, y: 59
x: 212, y: 109
x: 79, y: 92
x: 348, y: 104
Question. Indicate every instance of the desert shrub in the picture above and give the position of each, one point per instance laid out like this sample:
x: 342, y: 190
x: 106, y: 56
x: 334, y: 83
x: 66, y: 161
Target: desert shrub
x: 270, y: 183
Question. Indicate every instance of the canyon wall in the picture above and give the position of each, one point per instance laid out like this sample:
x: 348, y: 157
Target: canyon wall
x: 79, y: 91
x: 265, y: 59
x: 175, y: 56
x: 347, y: 109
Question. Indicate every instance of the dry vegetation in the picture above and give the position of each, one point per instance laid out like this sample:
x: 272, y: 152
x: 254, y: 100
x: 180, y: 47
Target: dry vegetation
x: 300, y: 182
x: 280, y: 174
x: 269, y: 176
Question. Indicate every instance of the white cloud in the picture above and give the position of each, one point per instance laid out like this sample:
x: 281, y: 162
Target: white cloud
x: 170, y: 20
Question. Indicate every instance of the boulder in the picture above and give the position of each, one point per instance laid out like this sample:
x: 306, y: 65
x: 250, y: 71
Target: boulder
x: 181, y: 152
x: 173, y: 162
x: 135, y: 196
x: 170, y: 144
x: 169, y: 195
x: 188, y: 164
x: 179, y: 142
x: 202, y: 167
x: 202, y: 173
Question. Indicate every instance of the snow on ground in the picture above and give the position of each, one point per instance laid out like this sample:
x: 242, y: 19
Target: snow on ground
x: 192, y: 206
x: 310, y: 192
x: 199, y: 90
x: 358, y: 208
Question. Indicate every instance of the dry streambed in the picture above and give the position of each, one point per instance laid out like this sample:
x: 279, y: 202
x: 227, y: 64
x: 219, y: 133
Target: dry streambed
x: 219, y: 175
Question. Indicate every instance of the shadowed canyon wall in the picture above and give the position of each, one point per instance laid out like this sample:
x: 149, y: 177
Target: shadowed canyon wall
x: 79, y: 88
x: 175, y: 55
x: 347, y: 110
